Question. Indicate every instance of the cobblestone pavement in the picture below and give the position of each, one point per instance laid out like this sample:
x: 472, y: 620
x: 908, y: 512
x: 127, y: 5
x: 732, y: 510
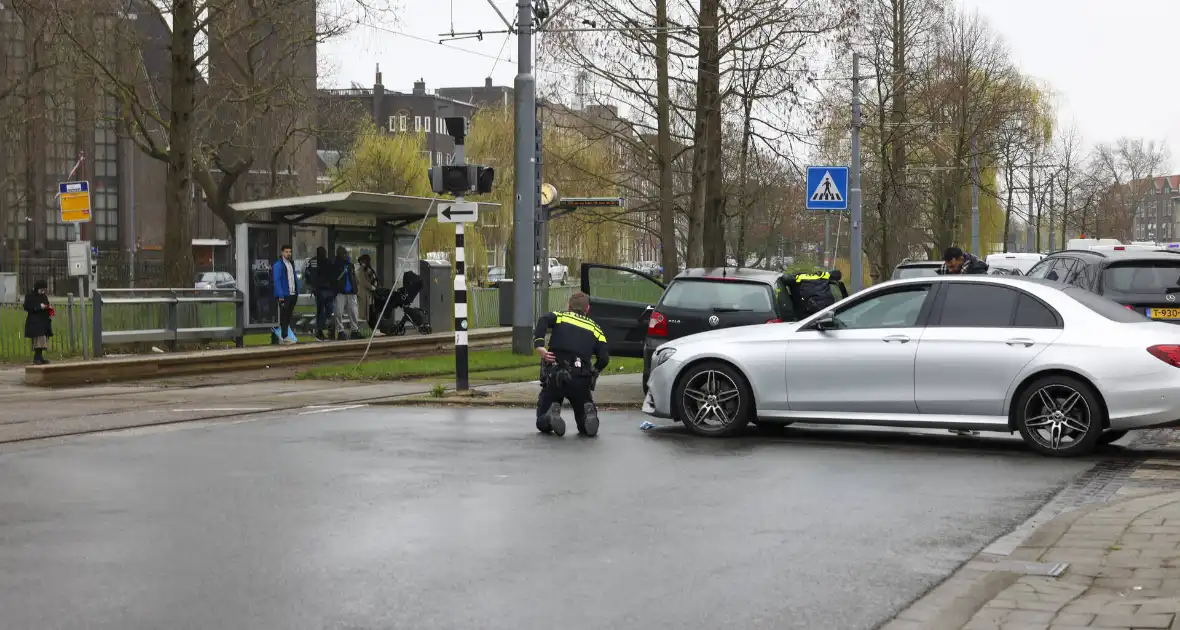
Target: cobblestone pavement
x: 1104, y: 553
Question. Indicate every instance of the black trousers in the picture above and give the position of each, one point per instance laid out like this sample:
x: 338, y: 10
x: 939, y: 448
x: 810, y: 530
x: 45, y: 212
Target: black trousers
x: 286, y: 310
x: 577, y: 391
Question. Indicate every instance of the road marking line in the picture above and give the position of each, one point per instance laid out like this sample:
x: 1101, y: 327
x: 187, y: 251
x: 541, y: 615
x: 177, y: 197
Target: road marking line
x: 224, y: 409
x: 327, y: 409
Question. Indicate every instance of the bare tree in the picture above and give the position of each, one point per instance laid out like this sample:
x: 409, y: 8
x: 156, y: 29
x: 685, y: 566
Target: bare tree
x: 1130, y: 166
x: 238, y: 90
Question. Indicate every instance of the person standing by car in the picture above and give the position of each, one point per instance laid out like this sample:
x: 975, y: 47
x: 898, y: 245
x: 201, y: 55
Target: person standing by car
x: 812, y: 292
x: 957, y: 261
x: 369, y: 283
x: 319, y: 274
x: 286, y: 286
x: 575, y: 341
x: 39, y: 321
x: 346, y: 288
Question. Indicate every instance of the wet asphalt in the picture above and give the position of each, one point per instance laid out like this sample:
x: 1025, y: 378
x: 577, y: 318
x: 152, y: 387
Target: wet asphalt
x: 467, y: 518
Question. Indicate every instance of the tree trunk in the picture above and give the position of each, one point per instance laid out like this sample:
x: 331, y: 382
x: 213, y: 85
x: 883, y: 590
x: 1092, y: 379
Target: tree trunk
x: 1008, y: 208
x: 713, y: 237
x: 706, y: 51
x: 743, y: 179
x: 664, y: 147
x: 178, y: 247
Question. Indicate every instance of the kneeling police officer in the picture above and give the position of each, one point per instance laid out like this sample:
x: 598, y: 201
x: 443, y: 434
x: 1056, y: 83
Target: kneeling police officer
x: 566, y: 369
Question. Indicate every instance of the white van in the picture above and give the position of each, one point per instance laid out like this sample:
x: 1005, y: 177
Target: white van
x: 1020, y: 261
x: 1087, y: 243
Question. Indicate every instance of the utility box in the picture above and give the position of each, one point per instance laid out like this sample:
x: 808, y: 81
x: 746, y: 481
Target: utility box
x: 505, y: 297
x: 438, y: 293
x: 9, y: 294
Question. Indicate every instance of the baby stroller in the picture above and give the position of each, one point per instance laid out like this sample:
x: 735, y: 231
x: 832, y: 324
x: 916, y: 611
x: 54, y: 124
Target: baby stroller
x: 403, y: 298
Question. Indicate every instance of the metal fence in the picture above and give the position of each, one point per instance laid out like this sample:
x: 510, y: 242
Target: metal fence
x: 169, y: 316
x: 151, y: 312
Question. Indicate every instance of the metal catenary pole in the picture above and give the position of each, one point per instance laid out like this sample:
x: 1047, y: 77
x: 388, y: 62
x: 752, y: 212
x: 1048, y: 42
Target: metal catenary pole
x: 827, y: 257
x: 855, y: 244
x: 1052, y: 235
x: 524, y: 204
x: 1031, y: 228
x: 975, y: 199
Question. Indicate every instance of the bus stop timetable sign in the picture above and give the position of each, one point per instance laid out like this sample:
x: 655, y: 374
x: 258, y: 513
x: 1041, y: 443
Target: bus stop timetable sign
x: 74, y: 200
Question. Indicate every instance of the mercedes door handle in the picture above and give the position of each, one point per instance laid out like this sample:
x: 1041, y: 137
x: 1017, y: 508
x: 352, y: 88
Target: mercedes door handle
x: 1027, y: 343
x: 897, y: 338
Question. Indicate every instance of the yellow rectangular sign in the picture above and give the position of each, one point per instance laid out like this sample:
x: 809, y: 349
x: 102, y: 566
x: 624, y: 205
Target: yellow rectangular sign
x: 73, y: 198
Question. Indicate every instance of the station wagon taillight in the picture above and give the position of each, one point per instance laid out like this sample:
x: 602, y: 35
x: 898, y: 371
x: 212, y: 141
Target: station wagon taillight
x: 1169, y: 354
x: 657, y: 326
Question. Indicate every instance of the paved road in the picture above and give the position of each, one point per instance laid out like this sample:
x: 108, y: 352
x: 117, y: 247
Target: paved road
x: 456, y: 518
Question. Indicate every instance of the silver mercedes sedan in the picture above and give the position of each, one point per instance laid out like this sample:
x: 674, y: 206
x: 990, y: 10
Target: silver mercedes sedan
x: 1066, y: 368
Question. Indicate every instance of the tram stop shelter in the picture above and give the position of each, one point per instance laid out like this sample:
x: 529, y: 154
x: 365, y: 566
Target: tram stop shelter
x: 364, y: 223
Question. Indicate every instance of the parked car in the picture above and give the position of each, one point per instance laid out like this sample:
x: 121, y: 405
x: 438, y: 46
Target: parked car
x: 916, y: 269
x: 495, y: 275
x: 1143, y: 281
x: 1014, y: 261
x: 215, y: 280
x: 637, y: 313
x: 1065, y: 368
x: 558, y: 273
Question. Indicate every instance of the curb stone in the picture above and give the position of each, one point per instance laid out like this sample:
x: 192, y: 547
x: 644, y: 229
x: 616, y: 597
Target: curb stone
x: 483, y: 402
x: 954, y: 601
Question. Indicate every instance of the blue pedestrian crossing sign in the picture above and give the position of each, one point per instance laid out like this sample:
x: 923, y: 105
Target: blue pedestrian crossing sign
x: 827, y: 187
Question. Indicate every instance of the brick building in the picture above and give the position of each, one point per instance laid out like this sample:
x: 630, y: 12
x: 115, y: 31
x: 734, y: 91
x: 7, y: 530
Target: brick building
x: 51, y: 113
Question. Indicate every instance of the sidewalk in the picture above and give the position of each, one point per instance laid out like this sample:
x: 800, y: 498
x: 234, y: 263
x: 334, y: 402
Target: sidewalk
x: 1113, y: 566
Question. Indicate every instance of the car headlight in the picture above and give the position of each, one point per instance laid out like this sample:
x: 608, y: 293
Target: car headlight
x: 662, y: 355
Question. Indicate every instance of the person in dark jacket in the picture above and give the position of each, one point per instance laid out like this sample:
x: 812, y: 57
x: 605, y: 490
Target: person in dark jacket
x: 812, y: 292
x: 39, y: 321
x: 957, y: 261
x: 575, y: 341
x: 320, y: 274
x: 346, y: 306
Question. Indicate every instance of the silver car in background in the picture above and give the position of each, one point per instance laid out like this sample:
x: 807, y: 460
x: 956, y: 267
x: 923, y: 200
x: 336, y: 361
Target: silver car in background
x: 1066, y: 368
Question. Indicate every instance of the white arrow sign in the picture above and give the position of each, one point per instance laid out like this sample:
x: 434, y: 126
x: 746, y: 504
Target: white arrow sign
x: 458, y: 212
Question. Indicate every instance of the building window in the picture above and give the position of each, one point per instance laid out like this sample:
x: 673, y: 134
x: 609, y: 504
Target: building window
x: 401, y: 121
x: 439, y: 155
x: 417, y: 124
x: 392, y: 128
x: 441, y: 125
x: 105, y: 192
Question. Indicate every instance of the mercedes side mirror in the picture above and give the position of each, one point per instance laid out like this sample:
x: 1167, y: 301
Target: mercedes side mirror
x: 827, y: 321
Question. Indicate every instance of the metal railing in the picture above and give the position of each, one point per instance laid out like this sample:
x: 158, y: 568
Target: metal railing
x: 170, y: 316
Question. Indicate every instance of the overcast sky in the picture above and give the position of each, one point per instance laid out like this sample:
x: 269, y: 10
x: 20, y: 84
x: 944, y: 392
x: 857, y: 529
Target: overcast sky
x: 1107, y: 60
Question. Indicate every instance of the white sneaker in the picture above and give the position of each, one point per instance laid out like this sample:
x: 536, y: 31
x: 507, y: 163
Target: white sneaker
x: 287, y: 342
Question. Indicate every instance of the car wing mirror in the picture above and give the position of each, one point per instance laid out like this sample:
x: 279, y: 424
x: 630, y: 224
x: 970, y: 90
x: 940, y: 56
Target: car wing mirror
x: 827, y: 321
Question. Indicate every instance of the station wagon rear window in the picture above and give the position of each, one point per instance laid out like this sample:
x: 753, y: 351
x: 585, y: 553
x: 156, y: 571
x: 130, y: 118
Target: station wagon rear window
x: 1143, y: 276
x: 728, y: 295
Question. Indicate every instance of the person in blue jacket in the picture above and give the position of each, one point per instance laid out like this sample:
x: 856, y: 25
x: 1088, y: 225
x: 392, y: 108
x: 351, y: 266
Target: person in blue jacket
x: 286, y: 284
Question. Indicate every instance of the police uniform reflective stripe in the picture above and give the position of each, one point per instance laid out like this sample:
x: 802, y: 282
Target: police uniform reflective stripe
x: 800, y: 277
x: 581, y: 322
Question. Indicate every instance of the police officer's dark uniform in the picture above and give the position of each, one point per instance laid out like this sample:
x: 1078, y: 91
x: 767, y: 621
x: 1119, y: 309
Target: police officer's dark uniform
x: 575, y: 342
x: 812, y: 292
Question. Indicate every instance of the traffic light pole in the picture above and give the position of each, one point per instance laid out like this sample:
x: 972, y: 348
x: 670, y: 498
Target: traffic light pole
x: 524, y: 209
x: 461, y: 367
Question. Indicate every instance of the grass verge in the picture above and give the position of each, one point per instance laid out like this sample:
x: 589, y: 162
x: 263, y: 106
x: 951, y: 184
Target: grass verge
x: 487, y: 365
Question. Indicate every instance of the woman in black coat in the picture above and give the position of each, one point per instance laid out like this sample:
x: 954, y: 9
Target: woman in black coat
x: 39, y: 322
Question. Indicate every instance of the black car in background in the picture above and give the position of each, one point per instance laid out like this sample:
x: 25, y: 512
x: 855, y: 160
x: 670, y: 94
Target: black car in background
x: 1143, y: 281
x: 637, y: 313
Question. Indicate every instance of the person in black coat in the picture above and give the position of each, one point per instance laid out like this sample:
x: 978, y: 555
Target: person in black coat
x: 39, y: 322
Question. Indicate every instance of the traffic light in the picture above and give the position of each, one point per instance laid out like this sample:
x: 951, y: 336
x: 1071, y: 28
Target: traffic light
x: 461, y: 179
